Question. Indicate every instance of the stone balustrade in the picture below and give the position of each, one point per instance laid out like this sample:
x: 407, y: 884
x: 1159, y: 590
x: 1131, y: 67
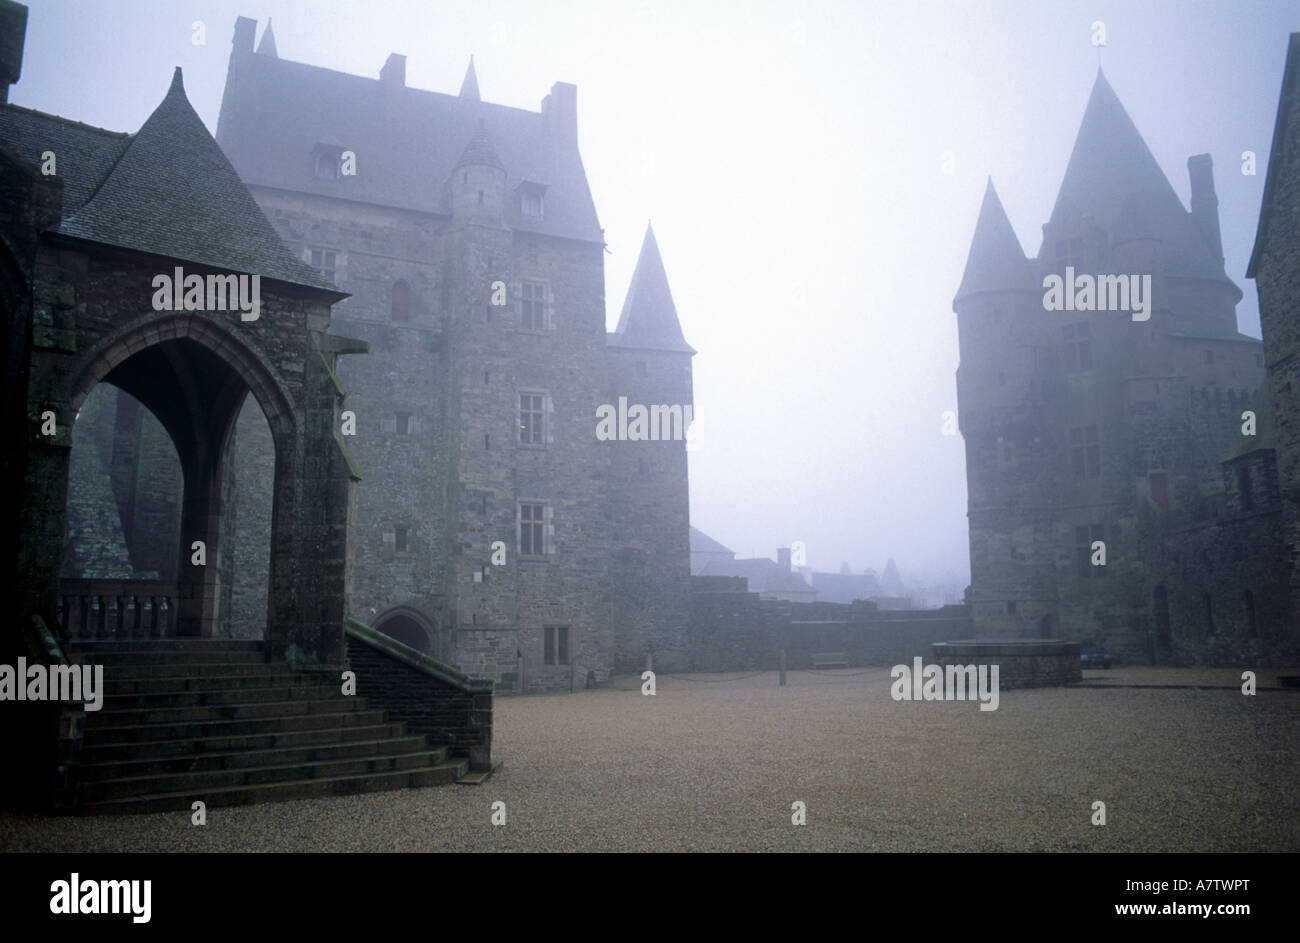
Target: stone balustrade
x: 108, y: 609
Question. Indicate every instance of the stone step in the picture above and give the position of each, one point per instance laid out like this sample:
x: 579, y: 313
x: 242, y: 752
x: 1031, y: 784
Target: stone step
x: 224, y: 682
x: 199, y: 782
x: 118, y: 659
x: 206, y: 730
x: 150, y: 716
x: 168, y: 647
x: 186, y: 670
x: 283, y: 692
x: 243, y: 759
x: 125, y: 752
x: 441, y: 774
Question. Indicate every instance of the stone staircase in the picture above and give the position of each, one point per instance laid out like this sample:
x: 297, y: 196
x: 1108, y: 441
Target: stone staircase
x: 187, y: 720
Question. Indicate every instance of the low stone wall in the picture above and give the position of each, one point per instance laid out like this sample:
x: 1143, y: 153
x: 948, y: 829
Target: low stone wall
x: 430, y: 698
x: 733, y: 630
x: 1021, y: 663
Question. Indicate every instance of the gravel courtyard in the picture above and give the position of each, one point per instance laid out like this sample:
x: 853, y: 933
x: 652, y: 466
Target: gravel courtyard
x: 715, y: 762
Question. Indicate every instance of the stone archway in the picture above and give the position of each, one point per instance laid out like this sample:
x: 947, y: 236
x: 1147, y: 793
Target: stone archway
x: 410, y: 627
x: 193, y: 375
x: 194, y: 371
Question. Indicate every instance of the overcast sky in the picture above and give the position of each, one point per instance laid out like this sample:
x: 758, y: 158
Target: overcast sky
x: 791, y: 158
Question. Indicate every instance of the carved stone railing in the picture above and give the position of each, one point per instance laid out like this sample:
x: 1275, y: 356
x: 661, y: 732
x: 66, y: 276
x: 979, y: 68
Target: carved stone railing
x: 117, y: 609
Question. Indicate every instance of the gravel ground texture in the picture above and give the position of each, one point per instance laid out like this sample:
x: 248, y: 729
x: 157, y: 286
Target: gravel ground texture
x: 716, y: 762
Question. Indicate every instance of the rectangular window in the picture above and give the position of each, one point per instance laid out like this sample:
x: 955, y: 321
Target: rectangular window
x: 326, y: 261
x: 533, y: 301
x: 556, y: 645
x: 1077, y: 347
x: 328, y: 161
x: 530, y: 205
x: 1085, y: 452
x: 531, y: 531
x: 532, y: 416
x: 399, y: 539
x: 403, y: 424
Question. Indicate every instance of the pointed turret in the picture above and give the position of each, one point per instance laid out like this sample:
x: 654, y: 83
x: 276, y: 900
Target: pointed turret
x: 469, y: 87
x: 1113, y: 177
x: 478, y: 181
x: 649, y: 318
x: 480, y: 152
x: 996, y: 262
x: 267, y: 46
x: 174, y: 194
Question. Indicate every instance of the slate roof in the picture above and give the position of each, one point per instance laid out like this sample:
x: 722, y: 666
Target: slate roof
x: 407, y: 142
x: 703, y: 543
x: 763, y: 575
x: 649, y: 318
x: 995, y: 262
x: 1113, y: 177
x: 83, y: 154
x: 166, y: 190
x: 1285, y: 105
x: 845, y: 587
x: 479, y: 152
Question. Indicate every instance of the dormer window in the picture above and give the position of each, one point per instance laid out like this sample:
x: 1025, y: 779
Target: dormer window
x: 532, y: 200
x: 327, y: 160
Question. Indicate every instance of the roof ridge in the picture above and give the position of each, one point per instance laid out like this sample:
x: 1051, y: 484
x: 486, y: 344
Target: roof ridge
x: 268, y: 62
x: 69, y: 121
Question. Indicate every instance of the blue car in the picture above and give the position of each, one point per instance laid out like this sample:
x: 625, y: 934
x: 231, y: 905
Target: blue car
x: 1094, y: 656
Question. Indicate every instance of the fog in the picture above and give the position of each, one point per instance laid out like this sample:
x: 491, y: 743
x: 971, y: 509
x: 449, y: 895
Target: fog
x: 813, y: 172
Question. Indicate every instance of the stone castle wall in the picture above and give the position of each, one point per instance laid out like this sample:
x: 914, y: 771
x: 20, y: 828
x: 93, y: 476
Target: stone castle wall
x: 733, y: 630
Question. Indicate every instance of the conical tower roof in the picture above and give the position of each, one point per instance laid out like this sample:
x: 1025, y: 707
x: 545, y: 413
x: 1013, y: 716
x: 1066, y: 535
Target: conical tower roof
x: 479, y: 152
x: 996, y: 262
x: 173, y: 193
x: 649, y: 318
x: 267, y: 46
x: 1113, y: 177
x: 469, y: 86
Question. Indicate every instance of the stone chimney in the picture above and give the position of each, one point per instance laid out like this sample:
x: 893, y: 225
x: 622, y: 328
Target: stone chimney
x: 1205, y: 204
x: 783, y: 559
x: 561, y: 108
x: 245, y: 33
x: 13, y: 31
x: 393, y: 74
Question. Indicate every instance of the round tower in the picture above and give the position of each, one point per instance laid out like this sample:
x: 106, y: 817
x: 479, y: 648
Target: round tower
x: 478, y: 182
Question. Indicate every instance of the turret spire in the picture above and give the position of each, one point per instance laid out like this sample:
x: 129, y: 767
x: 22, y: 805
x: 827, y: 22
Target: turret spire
x: 649, y: 318
x: 267, y: 46
x: 469, y: 87
x: 996, y: 262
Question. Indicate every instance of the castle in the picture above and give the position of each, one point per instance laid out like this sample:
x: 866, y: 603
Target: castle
x: 494, y: 528
x: 1122, y: 470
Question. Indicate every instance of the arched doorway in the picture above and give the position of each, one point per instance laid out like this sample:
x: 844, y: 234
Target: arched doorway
x: 194, y: 376
x: 409, y: 627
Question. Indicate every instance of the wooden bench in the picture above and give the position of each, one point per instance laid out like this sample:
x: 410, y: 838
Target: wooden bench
x: 829, y: 660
